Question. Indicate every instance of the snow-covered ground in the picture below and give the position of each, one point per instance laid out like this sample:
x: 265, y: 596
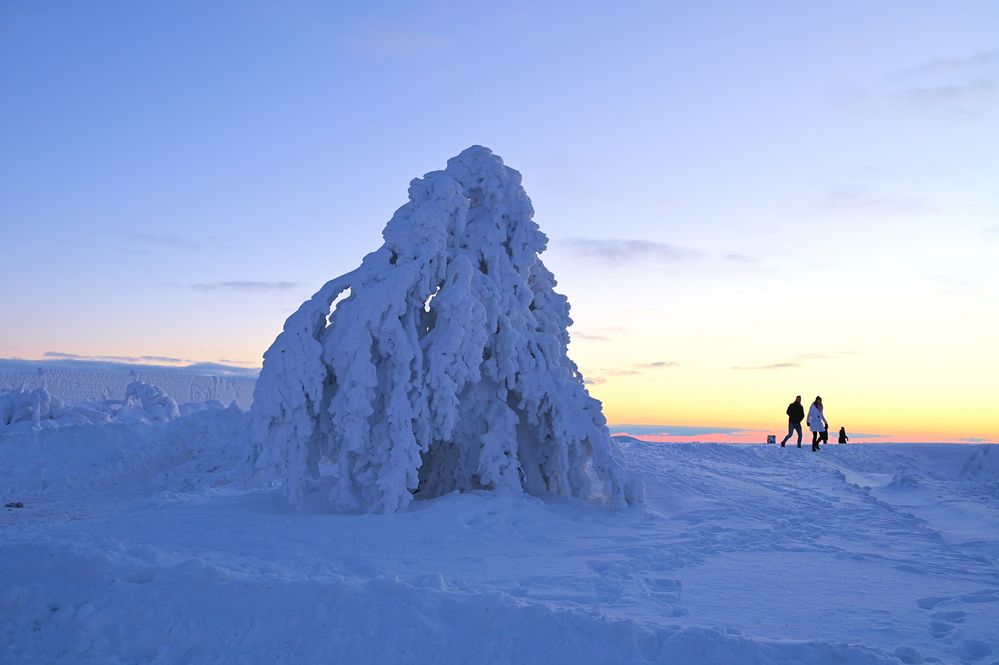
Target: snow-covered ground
x: 137, y: 543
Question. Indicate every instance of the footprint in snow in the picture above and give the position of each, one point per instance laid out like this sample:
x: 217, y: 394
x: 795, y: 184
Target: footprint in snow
x: 974, y: 649
x: 941, y: 629
x: 950, y: 617
x: 932, y: 601
x: 983, y: 596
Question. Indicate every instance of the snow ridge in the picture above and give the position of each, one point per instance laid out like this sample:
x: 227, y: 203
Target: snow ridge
x: 443, y: 364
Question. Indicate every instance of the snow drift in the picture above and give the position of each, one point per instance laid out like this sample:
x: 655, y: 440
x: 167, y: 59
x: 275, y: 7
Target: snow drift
x: 442, y: 365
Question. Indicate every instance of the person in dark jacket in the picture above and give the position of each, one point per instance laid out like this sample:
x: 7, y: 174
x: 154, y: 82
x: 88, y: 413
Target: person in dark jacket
x: 843, y: 438
x: 795, y: 414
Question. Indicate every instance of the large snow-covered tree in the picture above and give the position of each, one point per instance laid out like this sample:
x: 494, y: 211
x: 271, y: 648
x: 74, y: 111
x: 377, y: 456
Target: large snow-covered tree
x: 438, y: 364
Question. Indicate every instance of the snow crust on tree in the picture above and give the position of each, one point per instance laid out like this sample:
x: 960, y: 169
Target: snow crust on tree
x: 27, y: 410
x: 442, y: 366
x: 145, y: 402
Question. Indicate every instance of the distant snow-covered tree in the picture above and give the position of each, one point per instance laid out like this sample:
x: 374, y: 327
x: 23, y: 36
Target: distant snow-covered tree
x: 443, y: 364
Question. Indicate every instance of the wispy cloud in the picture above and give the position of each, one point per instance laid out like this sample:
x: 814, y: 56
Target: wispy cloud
x: 59, y: 355
x: 950, y: 284
x: 158, y: 239
x: 589, y: 337
x: 854, y: 199
x: 637, y: 369
x: 784, y: 365
x: 621, y: 372
x: 973, y: 439
x: 616, y: 249
x: 798, y: 360
x: 944, y: 81
x: 599, y: 334
x: 151, y: 243
x: 659, y: 364
x: 991, y: 234
x: 675, y: 430
x: 242, y: 285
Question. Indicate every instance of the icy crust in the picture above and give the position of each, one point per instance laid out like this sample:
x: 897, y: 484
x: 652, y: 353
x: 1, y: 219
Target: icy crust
x: 443, y: 366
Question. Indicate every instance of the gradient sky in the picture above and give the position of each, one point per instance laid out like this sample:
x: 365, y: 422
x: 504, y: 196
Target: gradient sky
x: 746, y: 201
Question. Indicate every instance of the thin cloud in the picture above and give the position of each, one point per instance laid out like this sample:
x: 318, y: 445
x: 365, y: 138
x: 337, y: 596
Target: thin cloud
x: 853, y: 199
x: 950, y: 284
x: 244, y: 285
x: 740, y: 258
x: 973, y: 439
x: 798, y: 360
x: 659, y: 364
x: 945, y: 81
x: 674, y: 430
x: 158, y: 239
x: 769, y: 367
x: 619, y: 250
x: 589, y: 337
x: 638, y: 369
x: 991, y: 233
x: 59, y: 355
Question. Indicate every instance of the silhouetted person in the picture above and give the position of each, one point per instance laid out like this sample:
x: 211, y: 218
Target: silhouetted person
x: 795, y: 414
x: 817, y: 423
x: 843, y: 438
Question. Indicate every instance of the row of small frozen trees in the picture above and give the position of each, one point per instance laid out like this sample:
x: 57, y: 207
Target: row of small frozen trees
x: 26, y: 410
x: 441, y: 366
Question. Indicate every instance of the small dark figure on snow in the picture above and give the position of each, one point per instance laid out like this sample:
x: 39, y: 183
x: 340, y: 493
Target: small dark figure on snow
x: 843, y: 438
x: 795, y: 414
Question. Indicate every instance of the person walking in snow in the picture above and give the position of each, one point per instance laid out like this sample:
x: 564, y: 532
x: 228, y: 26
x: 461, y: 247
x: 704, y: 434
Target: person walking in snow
x: 795, y: 414
x: 818, y: 424
x: 843, y: 438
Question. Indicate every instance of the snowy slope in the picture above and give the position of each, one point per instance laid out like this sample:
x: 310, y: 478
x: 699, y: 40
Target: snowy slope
x: 136, y: 544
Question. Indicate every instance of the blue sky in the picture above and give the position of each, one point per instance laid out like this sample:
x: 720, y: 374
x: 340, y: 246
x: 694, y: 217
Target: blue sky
x: 762, y: 197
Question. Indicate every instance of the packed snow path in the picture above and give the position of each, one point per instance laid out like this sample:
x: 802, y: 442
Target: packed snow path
x: 147, y: 552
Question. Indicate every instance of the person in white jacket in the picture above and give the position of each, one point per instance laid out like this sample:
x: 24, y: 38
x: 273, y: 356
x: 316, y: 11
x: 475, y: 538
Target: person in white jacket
x: 817, y: 423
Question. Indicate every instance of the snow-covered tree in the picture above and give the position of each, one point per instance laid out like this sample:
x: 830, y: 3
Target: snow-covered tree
x: 438, y: 364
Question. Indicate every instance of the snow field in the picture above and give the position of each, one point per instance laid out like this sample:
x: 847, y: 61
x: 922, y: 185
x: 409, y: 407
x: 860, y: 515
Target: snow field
x: 138, y: 543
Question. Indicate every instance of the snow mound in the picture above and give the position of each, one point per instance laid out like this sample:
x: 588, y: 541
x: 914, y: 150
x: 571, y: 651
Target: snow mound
x: 983, y: 465
x: 443, y: 364
x: 196, y: 451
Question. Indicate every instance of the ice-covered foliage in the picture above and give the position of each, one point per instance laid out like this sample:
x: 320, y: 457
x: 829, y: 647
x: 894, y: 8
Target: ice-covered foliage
x: 145, y: 402
x: 26, y: 410
x: 442, y: 366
